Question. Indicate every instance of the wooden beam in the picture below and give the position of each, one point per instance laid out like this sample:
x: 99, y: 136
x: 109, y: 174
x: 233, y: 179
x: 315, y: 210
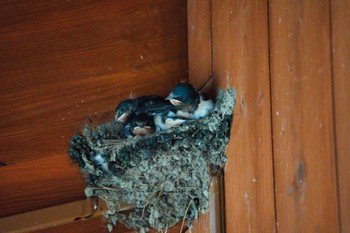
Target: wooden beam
x: 97, y: 225
x: 78, y: 216
x: 200, y: 70
x: 340, y: 12
x: 240, y: 59
x: 53, y: 216
x: 303, y: 130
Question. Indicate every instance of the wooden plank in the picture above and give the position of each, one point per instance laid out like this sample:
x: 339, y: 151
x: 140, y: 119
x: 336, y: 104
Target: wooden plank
x: 200, y: 70
x: 341, y: 91
x: 217, y: 206
x: 63, y: 62
x: 240, y: 59
x: 71, y: 217
x: 73, y: 212
x: 53, y: 216
x: 199, y: 41
x: 212, y: 221
x: 96, y: 225
x: 303, y: 134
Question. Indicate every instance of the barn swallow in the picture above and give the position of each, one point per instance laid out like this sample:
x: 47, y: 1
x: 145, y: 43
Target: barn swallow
x: 124, y: 109
x: 192, y: 103
x: 144, y: 104
x: 141, y: 124
x: 166, y: 120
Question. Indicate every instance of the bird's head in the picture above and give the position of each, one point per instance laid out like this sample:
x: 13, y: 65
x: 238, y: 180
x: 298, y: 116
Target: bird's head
x: 142, y: 124
x: 183, y: 94
x: 124, y: 109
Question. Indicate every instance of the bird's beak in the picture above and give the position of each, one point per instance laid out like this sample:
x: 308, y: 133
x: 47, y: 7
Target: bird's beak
x: 169, y: 98
x: 175, y: 102
x: 137, y: 128
x: 143, y: 130
x: 121, y: 118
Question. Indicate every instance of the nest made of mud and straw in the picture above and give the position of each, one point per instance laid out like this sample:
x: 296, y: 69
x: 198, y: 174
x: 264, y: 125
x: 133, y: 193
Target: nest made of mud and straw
x: 165, y: 176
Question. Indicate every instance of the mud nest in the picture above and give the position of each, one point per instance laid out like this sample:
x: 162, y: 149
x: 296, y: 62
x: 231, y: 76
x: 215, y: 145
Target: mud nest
x: 164, y: 176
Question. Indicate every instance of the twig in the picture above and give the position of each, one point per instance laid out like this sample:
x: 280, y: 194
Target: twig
x: 116, y: 189
x: 127, y: 171
x: 195, y: 132
x: 183, y: 220
x: 109, y: 188
x: 148, y: 201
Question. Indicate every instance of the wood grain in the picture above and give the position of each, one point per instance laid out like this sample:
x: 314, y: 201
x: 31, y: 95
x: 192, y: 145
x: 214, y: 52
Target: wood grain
x: 199, y: 41
x: 340, y: 11
x: 240, y: 59
x: 88, y: 226
x: 200, y: 68
x: 65, y: 62
x: 303, y: 133
x: 53, y: 216
x: 97, y: 225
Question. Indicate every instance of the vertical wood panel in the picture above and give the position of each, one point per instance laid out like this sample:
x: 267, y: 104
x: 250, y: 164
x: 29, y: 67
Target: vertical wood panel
x: 303, y: 135
x: 199, y: 41
x: 63, y: 62
x: 200, y: 68
x: 240, y: 59
x: 341, y: 89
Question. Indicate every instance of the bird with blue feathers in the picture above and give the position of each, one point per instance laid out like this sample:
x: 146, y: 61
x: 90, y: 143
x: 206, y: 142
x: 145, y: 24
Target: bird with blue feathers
x: 147, y: 114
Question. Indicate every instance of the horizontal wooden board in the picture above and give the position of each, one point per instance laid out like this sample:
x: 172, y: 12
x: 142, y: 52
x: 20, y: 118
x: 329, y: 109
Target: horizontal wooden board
x: 64, y: 64
x: 94, y: 225
x: 98, y: 225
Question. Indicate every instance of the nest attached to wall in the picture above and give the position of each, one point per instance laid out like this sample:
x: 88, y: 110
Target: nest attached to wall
x: 165, y: 176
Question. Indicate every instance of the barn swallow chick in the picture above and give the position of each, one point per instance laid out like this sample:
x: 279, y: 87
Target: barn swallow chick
x: 141, y: 124
x: 167, y: 120
x: 124, y: 109
x: 193, y: 104
x: 144, y: 104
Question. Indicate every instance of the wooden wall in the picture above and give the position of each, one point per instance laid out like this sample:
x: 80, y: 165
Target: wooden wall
x: 340, y: 21
x: 288, y: 167
x: 302, y: 116
x: 67, y: 63
x: 64, y: 64
x: 240, y: 59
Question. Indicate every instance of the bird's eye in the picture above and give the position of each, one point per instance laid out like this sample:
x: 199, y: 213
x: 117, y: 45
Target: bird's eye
x: 135, y: 124
x: 122, y: 110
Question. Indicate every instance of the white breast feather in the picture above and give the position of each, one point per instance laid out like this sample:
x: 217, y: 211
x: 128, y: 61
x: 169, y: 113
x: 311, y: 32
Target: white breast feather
x: 158, y: 121
x: 204, y: 107
x: 170, y: 122
x: 184, y: 114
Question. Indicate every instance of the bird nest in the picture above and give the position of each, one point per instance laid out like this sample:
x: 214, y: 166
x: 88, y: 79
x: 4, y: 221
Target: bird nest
x: 164, y: 176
